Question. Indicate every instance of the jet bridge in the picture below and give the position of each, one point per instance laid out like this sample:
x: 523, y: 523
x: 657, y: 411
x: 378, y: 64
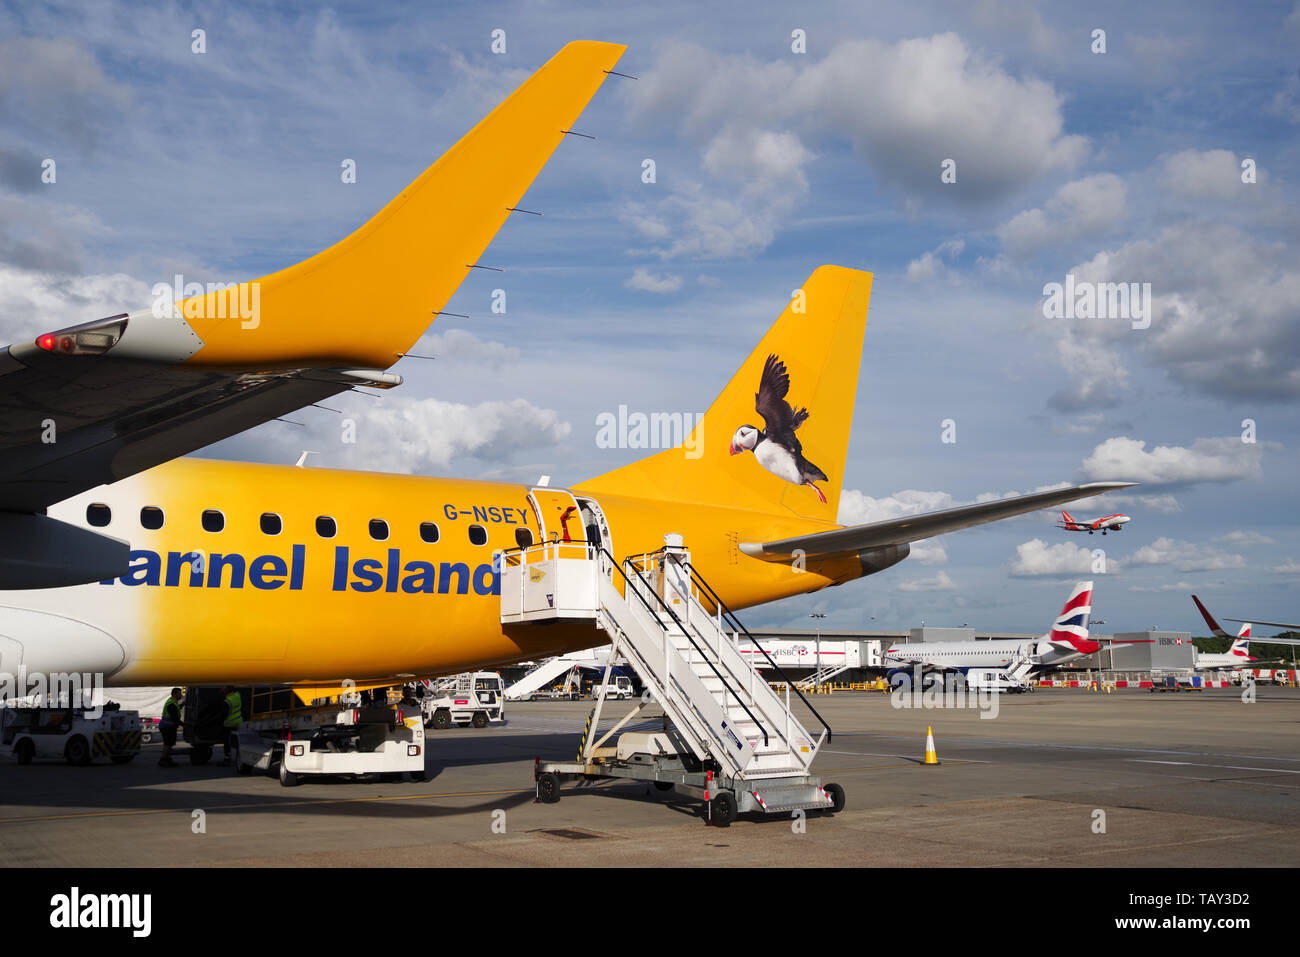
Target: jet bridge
x: 729, y: 738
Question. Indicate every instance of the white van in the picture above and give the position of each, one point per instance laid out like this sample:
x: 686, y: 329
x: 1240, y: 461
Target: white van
x: 994, y: 679
x: 620, y: 687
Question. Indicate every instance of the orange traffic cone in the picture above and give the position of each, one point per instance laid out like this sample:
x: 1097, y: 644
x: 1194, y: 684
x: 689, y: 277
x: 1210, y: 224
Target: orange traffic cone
x: 931, y: 757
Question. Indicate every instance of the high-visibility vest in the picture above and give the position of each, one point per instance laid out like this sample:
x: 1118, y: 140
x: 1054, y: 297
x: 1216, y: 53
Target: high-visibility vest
x: 170, y: 710
x: 235, y: 704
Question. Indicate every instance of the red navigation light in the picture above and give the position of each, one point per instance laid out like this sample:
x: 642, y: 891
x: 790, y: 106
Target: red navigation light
x: 87, y: 339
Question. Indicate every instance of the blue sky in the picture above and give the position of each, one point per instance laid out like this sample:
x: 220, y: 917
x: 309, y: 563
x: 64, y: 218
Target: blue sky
x: 1122, y: 166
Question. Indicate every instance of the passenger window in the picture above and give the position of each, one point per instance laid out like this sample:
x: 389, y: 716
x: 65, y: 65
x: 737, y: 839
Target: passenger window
x: 213, y: 520
x: 477, y: 535
x: 98, y: 515
x: 379, y: 529
x: 429, y: 532
x: 326, y: 527
x: 271, y: 524
x: 523, y: 537
x: 151, y: 517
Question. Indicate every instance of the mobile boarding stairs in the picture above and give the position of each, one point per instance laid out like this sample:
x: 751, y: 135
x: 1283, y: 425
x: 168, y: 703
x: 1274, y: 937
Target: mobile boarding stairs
x: 729, y: 738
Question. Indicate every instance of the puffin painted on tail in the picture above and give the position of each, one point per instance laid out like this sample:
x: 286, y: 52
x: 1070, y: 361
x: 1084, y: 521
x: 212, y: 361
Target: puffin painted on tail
x: 775, y: 446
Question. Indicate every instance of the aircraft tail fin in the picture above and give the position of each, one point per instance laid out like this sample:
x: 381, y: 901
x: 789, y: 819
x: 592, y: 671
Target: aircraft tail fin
x: 777, y: 437
x: 1071, y: 624
x: 1065, y: 517
x: 1241, y: 644
x: 1215, y: 628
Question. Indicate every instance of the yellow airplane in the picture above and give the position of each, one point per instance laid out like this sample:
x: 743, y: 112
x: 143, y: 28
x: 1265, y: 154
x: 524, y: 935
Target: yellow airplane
x: 122, y: 558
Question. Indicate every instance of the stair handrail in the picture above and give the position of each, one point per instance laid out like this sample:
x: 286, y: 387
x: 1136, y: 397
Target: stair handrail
x: 736, y: 626
x: 685, y: 631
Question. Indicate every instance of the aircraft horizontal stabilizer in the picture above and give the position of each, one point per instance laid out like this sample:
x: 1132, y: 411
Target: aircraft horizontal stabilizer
x: 912, y: 528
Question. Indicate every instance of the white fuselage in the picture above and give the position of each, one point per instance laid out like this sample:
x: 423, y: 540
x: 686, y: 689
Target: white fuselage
x: 962, y: 655
x: 1226, y: 662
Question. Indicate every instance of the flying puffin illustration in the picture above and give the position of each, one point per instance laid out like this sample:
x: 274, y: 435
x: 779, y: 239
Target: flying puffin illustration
x: 775, y: 446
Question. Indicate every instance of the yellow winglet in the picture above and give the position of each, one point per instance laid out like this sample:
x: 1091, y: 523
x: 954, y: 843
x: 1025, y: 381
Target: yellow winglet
x: 369, y: 297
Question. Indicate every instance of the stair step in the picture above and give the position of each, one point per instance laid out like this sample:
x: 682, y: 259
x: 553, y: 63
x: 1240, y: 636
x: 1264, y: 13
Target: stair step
x: 800, y: 806
x: 754, y: 773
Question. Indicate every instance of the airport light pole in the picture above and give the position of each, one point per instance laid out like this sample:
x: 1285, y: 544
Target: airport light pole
x: 818, y: 673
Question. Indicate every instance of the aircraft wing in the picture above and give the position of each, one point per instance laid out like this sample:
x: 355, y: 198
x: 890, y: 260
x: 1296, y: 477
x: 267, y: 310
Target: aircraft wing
x: 90, y: 404
x: 897, y: 531
x: 1270, y: 624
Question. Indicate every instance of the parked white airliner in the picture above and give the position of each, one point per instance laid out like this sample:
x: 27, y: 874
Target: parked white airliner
x: 1067, y: 641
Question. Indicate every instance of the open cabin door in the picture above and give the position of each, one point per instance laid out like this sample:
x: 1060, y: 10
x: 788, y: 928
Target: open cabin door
x: 596, y: 525
x: 557, y: 514
x: 563, y: 518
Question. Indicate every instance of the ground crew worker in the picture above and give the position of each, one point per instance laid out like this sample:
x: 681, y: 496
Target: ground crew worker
x: 234, y: 717
x: 167, y: 725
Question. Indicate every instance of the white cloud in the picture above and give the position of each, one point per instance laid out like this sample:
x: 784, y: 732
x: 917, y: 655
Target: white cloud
x: 923, y: 267
x: 1036, y: 557
x: 928, y: 552
x: 1176, y: 586
x: 461, y: 344
x: 903, y: 107
x: 763, y: 160
x: 646, y: 281
x: 1163, y: 504
x: 1224, y: 310
x: 698, y: 223
x: 929, y: 264
x: 1100, y: 377
x: 857, y: 508
x: 1207, y: 460
x: 1289, y: 567
x: 424, y: 435
x: 940, y: 582
x: 1185, y: 556
x: 1245, y: 538
x: 1206, y: 174
x: 1083, y: 208
x: 34, y: 302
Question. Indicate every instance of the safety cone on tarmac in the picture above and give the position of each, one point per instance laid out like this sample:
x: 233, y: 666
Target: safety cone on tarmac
x: 931, y: 757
